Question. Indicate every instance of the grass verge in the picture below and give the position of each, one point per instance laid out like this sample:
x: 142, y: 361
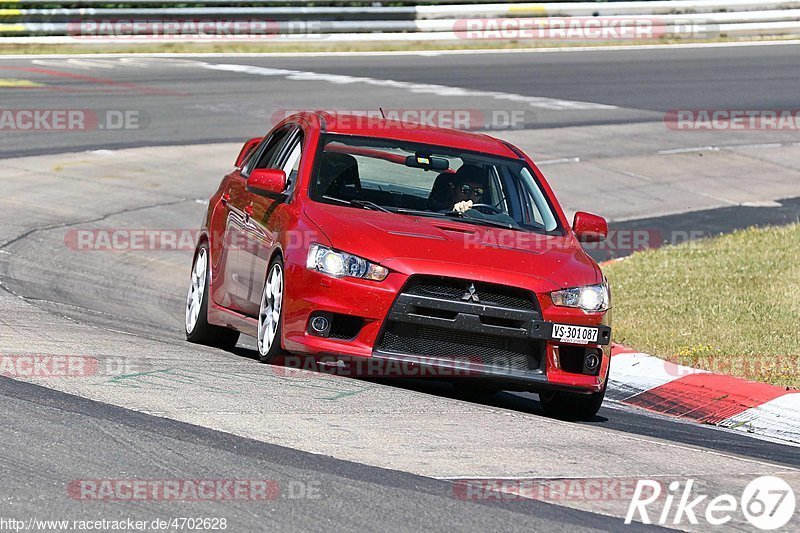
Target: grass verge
x: 274, y: 46
x: 730, y: 304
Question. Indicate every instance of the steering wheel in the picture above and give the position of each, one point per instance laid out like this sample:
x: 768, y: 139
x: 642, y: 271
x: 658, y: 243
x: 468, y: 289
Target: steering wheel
x: 492, y: 210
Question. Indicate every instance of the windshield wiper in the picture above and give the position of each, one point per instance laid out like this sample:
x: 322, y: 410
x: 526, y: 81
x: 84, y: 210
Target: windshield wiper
x: 454, y: 214
x: 370, y: 205
x: 406, y: 211
x: 481, y: 221
x: 364, y: 204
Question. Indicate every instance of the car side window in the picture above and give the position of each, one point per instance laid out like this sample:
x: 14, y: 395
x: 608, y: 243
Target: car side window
x: 270, y: 149
x: 292, y: 164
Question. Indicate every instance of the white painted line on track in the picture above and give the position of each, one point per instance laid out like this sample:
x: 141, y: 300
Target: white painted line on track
x: 689, y: 150
x: 762, y: 203
x: 417, y: 88
x: 730, y: 147
x: 558, y: 161
x: 79, y: 63
x: 748, y: 146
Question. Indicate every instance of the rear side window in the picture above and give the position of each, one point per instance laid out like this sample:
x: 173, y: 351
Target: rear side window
x: 291, y: 165
x: 270, y: 149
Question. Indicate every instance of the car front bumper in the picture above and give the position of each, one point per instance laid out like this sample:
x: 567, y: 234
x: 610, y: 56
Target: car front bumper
x: 406, y: 333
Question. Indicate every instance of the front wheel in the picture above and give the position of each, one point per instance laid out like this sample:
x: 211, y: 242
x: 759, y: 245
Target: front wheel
x: 572, y: 406
x: 197, y: 328
x: 269, y: 313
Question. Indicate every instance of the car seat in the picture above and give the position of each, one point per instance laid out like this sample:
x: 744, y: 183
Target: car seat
x: 338, y: 175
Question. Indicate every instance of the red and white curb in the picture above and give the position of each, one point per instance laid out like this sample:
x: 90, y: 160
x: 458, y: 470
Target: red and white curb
x: 644, y: 381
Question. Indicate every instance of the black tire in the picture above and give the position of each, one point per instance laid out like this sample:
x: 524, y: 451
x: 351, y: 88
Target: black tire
x: 202, y: 332
x: 274, y: 350
x: 572, y: 406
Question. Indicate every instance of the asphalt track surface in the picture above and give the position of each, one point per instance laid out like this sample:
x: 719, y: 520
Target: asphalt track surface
x: 642, y: 84
x: 51, y: 437
x: 48, y: 426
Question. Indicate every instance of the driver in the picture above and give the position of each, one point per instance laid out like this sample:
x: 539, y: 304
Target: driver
x: 468, y: 187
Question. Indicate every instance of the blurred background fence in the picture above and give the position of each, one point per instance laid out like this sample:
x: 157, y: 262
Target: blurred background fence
x: 431, y: 20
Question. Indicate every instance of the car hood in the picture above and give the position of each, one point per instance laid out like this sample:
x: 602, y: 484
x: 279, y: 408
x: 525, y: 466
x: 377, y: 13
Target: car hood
x: 415, y: 244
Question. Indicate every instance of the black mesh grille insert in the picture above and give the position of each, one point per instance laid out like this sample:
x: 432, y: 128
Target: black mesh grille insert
x: 444, y: 343
x: 345, y: 327
x: 454, y: 289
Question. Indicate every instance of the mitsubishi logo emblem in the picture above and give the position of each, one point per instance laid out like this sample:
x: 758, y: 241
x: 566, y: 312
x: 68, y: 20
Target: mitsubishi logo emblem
x: 471, y: 295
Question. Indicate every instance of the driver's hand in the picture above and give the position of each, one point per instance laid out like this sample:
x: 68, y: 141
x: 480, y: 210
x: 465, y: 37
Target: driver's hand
x: 462, y: 207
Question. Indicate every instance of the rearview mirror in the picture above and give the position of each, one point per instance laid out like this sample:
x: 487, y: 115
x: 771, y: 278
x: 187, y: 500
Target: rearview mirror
x: 589, y: 227
x: 246, y: 149
x: 267, y: 182
x: 427, y: 162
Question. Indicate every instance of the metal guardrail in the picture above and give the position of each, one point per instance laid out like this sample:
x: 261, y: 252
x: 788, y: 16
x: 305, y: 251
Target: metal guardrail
x: 442, y: 21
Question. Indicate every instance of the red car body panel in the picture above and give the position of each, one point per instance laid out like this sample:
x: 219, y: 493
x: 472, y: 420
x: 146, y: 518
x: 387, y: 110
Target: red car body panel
x: 240, y: 252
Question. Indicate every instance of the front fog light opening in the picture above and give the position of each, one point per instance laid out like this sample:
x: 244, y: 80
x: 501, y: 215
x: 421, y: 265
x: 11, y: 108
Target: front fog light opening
x: 320, y: 324
x: 334, y: 326
x: 591, y: 363
x: 578, y: 359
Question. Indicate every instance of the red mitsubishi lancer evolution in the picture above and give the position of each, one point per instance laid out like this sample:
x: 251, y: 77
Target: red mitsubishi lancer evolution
x: 364, y: 238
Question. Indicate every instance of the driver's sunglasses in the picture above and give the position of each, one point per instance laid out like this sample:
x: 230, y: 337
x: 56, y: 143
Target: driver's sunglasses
x: 468, y: 190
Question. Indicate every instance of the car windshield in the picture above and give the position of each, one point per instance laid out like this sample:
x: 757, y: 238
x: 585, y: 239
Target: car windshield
x: 418, y: 179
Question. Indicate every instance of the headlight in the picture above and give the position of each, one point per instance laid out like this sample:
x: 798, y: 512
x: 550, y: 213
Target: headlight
x: 589, y: 298
x: 340, y: 264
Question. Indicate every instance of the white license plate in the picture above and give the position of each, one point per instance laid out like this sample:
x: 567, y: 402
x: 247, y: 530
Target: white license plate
x: 574, y: 334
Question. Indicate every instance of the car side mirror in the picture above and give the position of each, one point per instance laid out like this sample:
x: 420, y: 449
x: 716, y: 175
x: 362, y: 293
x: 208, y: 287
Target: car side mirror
x: 267, y: 182
x: 246, y: 149
x: 589, y: 227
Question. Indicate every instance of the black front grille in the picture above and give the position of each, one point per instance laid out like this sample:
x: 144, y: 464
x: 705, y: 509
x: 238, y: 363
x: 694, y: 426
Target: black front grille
x: 448, y: 344
x: 487, y: 293
x: 434, y: 318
